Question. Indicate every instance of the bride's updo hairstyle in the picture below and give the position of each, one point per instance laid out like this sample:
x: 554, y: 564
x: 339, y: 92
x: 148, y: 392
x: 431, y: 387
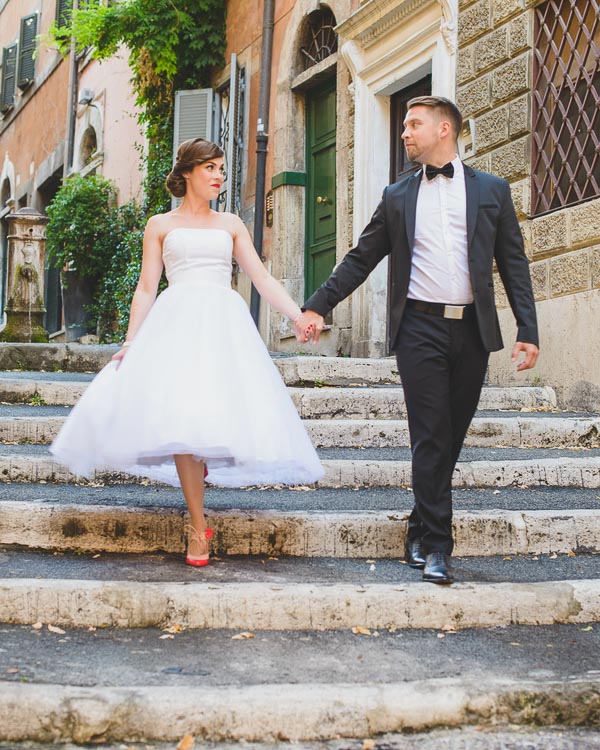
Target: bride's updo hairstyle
x: 189, y: 155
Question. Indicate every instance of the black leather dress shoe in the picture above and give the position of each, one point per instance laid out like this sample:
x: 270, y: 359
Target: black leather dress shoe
x: 437, y: 568
x: 413, y: 553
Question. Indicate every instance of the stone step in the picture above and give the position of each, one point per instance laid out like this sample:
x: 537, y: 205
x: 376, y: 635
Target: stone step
x: 300, y: 686
x: 385, y: 402
x: 32, y: 463
x: 388, y: 402
x: 27, y: 424
x: 257, y: 593
x: 366, y: 534
x: 295, y: 369
x: 272, y: 711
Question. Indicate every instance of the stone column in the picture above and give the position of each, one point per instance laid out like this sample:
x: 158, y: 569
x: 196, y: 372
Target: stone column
x: 25, y: 284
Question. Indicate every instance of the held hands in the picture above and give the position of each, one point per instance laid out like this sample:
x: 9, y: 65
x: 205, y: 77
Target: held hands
x: 309, y: 326
x: 531, y: 354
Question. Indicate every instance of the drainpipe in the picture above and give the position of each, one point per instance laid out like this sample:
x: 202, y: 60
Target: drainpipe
x: 71, y: 107
x: 262, y: 137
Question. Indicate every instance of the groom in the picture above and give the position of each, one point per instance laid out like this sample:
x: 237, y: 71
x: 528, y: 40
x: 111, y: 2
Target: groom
x: 443, y: 228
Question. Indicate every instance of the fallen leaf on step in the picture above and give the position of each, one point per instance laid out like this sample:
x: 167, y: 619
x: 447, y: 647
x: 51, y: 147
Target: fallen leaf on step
x: 186, y: 743
x: 165, y: 637
x: 92, y: 629
x: 496, y: 492
x: 242, y: 636
x: 368, y: 744
x: 94, y: 557
x: 441, y: 635
x: 12, y: 670
x: 507, y: 558
x: 587, y: 629
x: 54, y: 629
x: 571, y: 553
x: 173, y: 629
x: 369, y: 561
x: 525, y: 409
x: 359, y: 630
x: 37, y: 625
x: 276, y: 588
x: 553, y: 556
x: 514, y: 643
x: 274, y: 558
x: 371, y: 567
x: 448, y: 628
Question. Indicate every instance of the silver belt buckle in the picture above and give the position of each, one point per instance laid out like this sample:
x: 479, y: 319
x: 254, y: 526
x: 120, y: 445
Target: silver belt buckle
x: 455, y: 312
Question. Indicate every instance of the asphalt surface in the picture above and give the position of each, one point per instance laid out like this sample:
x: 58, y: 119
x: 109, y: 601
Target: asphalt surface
x: 287, y: 570
x: 29, y: 410
x: 316, y: 500
x: 471, y: 738
x: 112, y: 657
x: 384, y: 454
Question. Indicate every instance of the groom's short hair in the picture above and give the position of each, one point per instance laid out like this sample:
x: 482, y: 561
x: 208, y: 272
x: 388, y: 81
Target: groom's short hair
x: 446, y: 108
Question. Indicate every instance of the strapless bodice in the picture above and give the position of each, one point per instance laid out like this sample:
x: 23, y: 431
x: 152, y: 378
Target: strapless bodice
x: 198, y: 255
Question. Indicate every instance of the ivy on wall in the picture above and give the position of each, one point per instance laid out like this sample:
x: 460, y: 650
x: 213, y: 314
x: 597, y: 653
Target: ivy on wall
x: 172, y: 45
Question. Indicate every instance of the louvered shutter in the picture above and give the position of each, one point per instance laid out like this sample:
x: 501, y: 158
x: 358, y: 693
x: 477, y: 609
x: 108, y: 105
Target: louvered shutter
x: 63, y: 12
x: 26, y: 51
x: 193, y: 119
x: 9, y: 66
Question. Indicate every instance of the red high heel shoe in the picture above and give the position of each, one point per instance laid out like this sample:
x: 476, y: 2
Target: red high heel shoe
x: 194, y: 536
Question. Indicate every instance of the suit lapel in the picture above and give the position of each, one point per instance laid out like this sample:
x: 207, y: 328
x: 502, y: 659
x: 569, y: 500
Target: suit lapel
x: 410, y: 207
x: 472, y: 192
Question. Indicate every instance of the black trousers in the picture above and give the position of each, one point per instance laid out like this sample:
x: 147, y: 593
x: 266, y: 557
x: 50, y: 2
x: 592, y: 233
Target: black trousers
x: 442, y: 365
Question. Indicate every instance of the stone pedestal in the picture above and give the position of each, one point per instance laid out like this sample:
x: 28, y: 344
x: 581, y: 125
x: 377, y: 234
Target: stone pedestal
x: 25, y: 284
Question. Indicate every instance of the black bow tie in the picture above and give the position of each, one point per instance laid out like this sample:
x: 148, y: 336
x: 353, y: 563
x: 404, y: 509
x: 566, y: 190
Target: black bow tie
x: 447, y: 170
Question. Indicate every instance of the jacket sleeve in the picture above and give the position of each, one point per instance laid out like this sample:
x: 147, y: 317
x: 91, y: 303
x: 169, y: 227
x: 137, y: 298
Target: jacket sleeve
x: 513, y: 267
x: 373, y: 245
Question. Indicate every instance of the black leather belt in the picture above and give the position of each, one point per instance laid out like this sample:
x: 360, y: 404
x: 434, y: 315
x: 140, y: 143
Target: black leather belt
x: 454, y: 312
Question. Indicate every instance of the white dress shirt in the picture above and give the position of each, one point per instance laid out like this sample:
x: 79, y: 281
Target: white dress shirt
x: 440, y: 263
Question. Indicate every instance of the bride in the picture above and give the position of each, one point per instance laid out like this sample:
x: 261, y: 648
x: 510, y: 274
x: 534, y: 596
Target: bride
x: 193, y: 392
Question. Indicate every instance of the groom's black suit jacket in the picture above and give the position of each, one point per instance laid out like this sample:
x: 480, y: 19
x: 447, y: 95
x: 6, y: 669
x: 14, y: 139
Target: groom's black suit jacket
x: 493, y: 234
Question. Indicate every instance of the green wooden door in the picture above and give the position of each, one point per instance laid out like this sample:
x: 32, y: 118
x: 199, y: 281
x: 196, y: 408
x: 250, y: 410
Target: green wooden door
x: 320, y: 185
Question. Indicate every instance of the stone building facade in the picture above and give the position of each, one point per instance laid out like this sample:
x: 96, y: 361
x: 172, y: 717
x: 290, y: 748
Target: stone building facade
x: 55, y: 122
x: 507, y: 80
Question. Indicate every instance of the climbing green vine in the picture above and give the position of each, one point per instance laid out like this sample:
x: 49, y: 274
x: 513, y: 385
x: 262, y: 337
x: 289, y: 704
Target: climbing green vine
x: 172, y: 45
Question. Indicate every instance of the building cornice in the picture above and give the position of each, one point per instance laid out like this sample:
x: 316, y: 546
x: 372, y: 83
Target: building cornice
x: 378, y: 17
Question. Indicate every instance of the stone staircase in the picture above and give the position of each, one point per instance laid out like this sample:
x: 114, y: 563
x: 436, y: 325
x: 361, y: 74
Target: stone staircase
x: 307, y: 626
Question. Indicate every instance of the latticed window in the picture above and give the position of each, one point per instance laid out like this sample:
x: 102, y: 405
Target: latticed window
x: 321, y: 41
x: 566, y: 95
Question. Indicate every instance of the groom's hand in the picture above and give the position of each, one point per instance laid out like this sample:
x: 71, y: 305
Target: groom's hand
x: 531, y: 354
x: 309, y: 326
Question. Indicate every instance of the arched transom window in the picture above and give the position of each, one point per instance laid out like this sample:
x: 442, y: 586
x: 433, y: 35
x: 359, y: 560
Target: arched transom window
x: 320, y: 39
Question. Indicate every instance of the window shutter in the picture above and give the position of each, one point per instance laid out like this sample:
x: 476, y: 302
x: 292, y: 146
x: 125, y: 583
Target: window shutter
x: 193, y: 119
x: 9, y: 65
x: 26, y: 51
x: 63, y: 12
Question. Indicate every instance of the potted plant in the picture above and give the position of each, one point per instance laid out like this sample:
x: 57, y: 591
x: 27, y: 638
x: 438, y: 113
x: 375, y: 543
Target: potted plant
x: 81, y: 237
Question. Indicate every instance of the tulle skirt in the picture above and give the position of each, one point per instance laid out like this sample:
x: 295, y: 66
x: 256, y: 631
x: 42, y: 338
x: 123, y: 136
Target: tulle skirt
x: 196, y: 380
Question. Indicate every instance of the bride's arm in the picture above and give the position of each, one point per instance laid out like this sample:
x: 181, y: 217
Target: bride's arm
x: 147, y: 286
x: 266, y: 285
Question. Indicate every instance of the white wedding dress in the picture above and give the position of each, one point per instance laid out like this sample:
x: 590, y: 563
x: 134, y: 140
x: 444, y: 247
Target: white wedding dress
x: 197, y: 379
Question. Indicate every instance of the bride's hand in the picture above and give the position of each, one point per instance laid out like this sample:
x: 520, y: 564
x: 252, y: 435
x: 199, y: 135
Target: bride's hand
x: 118, y: 357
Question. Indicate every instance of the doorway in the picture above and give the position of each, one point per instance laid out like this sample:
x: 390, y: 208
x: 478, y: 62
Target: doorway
x: 320, y: 252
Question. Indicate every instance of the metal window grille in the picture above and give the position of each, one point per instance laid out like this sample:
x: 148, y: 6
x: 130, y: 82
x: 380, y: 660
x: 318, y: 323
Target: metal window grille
x: 321, y: 41
x: 231, y: 136
x: 566, y: 97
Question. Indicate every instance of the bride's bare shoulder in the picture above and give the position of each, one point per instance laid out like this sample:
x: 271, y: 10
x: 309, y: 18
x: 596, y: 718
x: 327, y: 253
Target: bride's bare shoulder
x: 158, y: 224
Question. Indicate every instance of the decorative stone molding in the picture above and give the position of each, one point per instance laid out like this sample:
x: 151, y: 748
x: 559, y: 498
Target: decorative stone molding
x: 377, y: 18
